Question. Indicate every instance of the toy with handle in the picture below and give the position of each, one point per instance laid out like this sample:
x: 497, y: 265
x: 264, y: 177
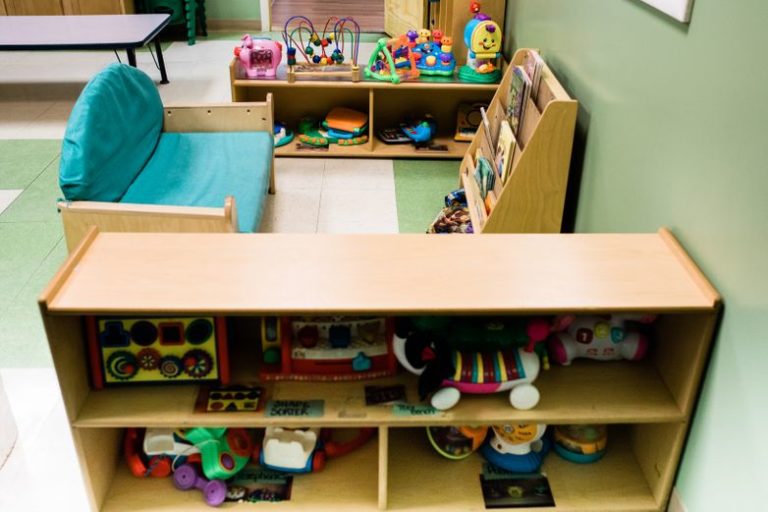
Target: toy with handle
x: 259, y: 58
x: 187, y: 477
x: 604, y: 338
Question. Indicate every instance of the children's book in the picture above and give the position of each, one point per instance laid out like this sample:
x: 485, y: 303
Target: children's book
x: 519, y: 90
x: 533, y: 65
x: 505, y: 151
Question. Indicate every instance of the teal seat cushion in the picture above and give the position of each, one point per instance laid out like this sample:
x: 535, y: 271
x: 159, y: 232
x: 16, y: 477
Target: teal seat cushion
x: 201, y: 169
x: 111, y: 134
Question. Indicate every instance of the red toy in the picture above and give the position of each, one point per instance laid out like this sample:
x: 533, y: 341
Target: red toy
x: 327, y: 348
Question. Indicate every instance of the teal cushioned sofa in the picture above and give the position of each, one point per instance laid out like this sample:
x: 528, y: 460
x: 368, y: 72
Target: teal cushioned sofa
x: 130, y: 164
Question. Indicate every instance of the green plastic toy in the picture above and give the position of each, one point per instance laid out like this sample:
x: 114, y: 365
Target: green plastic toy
x: 224, y: 452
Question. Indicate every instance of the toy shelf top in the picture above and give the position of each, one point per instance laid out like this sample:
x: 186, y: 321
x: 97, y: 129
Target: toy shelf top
x: 240, y: 274
x: 238, y: 79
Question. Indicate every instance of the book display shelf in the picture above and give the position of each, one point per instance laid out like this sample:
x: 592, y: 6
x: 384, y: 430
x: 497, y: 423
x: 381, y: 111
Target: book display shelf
x: 647, y: 404
x: 532, y: 198
x: 385, y: 103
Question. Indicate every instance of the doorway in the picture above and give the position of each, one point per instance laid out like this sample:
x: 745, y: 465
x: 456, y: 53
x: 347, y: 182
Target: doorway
x: 369, y: 14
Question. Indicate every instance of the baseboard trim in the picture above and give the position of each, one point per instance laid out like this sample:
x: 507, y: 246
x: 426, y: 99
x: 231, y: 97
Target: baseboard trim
x: 676, y: 502
x: 252, y: 25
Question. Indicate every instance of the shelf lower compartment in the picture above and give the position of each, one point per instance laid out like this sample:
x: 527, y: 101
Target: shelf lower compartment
x: 349, y: 483
x: 586, y: 392
x: 420, y: 479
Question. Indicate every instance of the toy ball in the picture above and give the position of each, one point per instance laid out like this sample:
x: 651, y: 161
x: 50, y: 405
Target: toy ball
x: 315, y: 39
x: 581, y: 444
x: 316, y: 59
x: 309, y: 50
x: 474, y: 7
x: 324, y: 42
x: 324, y: 61
x: 456, y: 443
x: 330, y: 37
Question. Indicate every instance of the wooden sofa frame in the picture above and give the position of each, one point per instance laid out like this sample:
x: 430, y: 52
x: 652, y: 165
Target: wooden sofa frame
x: 79, y: 216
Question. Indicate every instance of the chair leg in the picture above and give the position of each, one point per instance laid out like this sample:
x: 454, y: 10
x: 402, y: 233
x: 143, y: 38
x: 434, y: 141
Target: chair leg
x: 201, y: 18
x: 191, y: 17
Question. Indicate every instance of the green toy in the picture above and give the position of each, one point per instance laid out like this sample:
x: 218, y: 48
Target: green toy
x: 318, y: 134
x: 223, y: 452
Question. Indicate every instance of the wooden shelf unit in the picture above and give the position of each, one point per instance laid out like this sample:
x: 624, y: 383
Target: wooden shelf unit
x: 533, y: 197
x: 386, y: 104
x: 243, y: 277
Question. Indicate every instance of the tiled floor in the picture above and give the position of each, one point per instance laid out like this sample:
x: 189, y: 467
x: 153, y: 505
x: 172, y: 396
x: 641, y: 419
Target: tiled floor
x: 313, y: 195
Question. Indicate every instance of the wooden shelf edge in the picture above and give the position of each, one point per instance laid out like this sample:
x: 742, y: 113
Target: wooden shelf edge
x: 690, y: 266
x: 58, y: 280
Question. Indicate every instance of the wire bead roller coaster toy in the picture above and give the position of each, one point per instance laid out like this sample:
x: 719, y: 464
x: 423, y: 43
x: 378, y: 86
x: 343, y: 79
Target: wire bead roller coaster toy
x: 301, y: 38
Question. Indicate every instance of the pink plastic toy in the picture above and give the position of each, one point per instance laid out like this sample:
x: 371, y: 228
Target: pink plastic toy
x: 604, y: 338
x: 259, y: 57
x: 187, y: 477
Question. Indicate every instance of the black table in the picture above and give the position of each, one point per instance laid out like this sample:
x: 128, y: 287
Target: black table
x: 106, y: 32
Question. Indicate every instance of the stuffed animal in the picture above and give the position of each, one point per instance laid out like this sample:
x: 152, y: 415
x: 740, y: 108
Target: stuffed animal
x: 445, y: 372
x: 604, y: 338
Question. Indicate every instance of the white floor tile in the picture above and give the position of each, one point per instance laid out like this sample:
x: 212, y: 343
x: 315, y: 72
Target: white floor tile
x: 44, y: 456
x: 293, y: 173
x: 357, y: 211
x: 358, y: 174
x: 291, y: 210
x: 7, y: 197
x: 51, y: 124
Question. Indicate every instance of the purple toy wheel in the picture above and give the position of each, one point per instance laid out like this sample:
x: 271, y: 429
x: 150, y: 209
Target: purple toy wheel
x: 185, y: 477
x: 215, y: 491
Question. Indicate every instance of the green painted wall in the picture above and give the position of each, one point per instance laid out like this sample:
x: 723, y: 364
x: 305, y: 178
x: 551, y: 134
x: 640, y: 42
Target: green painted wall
x: 233, y: 9
x: 674, y: 132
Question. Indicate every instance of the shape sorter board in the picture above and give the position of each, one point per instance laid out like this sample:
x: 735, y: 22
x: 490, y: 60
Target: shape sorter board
x: 152, y: 350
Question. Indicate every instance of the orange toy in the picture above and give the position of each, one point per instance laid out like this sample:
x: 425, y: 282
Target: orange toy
x: 346, y: 119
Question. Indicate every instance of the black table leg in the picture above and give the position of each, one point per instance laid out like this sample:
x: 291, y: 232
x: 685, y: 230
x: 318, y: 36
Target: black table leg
x: 131, y: 56
x: 160, y: 61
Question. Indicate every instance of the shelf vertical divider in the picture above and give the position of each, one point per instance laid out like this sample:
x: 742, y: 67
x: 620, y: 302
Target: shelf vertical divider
x: 383, y: 465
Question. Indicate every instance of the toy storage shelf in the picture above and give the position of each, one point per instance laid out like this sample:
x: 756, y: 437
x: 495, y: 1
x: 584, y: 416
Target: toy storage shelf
x: 244, y: 277
x: 386, y: 104
x: 533, y: 197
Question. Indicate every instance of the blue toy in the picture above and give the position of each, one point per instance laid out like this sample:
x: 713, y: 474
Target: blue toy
x: 435, y: 57
x: 519, y: 448
x: 283, y: 135
x: 421, y: 130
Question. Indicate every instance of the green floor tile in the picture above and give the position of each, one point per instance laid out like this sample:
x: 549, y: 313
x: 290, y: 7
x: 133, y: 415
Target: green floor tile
x: 24, y: 247
x: 38, y: 201
x: 21, y: 161
x: 420, y: 189
x: 22, y: 336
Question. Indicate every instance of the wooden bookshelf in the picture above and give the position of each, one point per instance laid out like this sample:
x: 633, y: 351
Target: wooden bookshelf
x: 648, y: 404
x: 387, y: 105
x: 532, y: 198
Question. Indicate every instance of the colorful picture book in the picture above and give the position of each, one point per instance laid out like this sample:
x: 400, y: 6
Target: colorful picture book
x: 505, y: 151
x: 533, y: 65
x: 519, y: 91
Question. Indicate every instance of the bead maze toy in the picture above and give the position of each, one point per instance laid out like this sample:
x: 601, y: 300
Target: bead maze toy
x: 300, y: 37
x: 327, y: 348
x: 483, y: 37
x: 259, y: 58
x: 393, y: 60
x: 605, y: 338
x: 127, y: 351
x: 445, y: 373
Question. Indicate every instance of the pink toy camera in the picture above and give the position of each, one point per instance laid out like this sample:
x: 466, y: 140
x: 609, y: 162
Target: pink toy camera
x: 259, y: 57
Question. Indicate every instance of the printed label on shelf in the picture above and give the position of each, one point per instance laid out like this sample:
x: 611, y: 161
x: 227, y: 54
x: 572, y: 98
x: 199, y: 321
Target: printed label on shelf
x: 414, y: 410
x: 295, y: 408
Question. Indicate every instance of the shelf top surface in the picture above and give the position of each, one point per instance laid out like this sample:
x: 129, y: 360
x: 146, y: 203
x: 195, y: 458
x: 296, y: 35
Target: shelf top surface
x: 396, y: 274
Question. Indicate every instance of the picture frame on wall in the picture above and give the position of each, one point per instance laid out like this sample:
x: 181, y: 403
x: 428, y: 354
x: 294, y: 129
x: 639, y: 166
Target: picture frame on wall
x: 678, y: 9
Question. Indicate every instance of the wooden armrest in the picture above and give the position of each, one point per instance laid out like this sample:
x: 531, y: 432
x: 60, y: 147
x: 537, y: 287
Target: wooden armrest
x: 220, y: 117
x: 79, y: 216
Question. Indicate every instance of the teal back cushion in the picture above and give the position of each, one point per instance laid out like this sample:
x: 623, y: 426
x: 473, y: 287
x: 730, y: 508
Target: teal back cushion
x: 111, y: 134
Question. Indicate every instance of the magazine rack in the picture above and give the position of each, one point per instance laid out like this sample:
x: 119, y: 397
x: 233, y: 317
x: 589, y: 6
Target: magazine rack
x: 532, y: 198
